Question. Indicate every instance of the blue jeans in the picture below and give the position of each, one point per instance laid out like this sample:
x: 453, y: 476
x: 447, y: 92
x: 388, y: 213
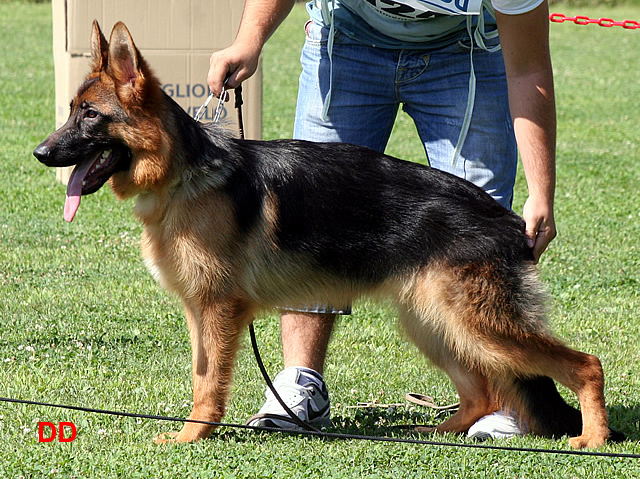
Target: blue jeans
x: 369, y: 84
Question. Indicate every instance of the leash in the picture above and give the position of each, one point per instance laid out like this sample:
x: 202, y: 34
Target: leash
x: 238, y: 106
x: 254, y: 344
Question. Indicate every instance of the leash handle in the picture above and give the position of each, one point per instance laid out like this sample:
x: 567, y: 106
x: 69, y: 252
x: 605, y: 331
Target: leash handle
x: 238, y: 105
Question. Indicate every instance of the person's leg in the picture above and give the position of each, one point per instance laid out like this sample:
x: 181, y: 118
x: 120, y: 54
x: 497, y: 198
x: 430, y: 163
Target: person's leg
x: 362, y: 110
x: 438, y: 103
x: 305, y: 338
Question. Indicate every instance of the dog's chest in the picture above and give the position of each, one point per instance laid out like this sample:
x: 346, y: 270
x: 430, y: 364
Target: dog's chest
x: 155, y: 259
x: 190, y: 245
x: 157, y: 252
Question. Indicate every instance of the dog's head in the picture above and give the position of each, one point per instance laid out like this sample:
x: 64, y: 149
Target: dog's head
x: 114, y: 131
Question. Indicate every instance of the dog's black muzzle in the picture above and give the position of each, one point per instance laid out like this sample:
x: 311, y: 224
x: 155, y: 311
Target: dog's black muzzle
x: 52, y: 152
x: 64, y: 147
x: 43, y: 153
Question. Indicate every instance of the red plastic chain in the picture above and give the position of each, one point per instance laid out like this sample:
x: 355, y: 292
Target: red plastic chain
x: 603, y: 22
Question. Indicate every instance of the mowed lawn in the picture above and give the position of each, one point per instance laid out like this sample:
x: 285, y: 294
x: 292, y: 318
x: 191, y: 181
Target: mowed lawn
x: 83, y: 323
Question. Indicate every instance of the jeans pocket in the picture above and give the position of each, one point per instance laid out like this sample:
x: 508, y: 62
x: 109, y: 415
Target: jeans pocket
x: 316, y: 34
x: 464, y: 44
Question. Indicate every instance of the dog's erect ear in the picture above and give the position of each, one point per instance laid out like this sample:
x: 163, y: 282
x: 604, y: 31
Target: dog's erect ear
x: 99, y: 49
x: 125, y: 63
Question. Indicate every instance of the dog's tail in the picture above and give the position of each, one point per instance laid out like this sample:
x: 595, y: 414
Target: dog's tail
x: 545, y: 411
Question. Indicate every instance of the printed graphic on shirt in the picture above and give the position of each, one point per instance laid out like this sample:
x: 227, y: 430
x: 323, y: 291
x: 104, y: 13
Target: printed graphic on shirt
x: 423, y: 9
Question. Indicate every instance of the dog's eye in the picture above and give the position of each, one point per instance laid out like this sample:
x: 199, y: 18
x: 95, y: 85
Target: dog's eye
x: 92, y: 113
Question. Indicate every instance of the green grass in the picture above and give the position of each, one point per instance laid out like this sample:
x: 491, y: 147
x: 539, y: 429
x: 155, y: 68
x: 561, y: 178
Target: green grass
x: 81, y: 321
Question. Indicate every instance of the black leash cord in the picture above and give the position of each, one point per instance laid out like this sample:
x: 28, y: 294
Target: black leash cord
x: 292, y: 417
x: 254, y: 344
x: 328, y: 435
x: 238, y: 106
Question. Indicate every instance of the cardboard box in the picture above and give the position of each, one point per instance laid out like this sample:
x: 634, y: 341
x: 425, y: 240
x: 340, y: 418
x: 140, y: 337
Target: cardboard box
x: 176, y: 37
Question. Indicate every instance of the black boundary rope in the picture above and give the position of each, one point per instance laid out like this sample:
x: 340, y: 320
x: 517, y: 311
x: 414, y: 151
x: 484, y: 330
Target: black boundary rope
x: 328, y: 435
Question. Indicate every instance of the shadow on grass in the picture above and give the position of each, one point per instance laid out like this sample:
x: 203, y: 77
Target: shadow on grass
x: 385, y: 420
x: 400, y: 421
x: 626, y: 419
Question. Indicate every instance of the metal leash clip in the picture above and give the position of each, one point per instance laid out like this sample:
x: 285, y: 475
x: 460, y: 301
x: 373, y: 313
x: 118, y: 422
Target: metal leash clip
x: 218, y: 110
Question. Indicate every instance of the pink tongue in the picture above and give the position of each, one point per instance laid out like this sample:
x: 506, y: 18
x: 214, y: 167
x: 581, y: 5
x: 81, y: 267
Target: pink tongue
x: 74, y: 189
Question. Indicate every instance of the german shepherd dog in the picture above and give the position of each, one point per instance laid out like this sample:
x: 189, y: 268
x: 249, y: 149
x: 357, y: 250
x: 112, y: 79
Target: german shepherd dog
x: 234, y: 227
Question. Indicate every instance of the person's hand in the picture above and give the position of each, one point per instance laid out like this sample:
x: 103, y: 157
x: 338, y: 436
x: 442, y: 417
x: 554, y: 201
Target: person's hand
x: 540, y: 225
x: 233, y: 64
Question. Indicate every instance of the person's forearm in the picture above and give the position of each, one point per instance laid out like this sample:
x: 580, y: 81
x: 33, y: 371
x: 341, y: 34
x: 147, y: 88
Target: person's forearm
x: 260, y: 19
x: 525, y: 48
x: 533, y: 109
x: 239, y: 61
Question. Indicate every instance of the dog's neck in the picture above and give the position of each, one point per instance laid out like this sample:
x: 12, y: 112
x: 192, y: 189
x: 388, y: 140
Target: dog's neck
x: 150, y: 207
x: 200, y: 161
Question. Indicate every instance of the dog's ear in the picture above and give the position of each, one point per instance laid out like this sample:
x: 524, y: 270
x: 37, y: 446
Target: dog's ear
x: 99, y: 49
x: 125, y: 63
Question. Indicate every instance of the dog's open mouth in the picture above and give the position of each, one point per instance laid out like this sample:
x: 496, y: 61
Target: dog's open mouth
x: 88, y: 177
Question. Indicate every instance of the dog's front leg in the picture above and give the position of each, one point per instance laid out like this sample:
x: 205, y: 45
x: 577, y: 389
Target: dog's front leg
x: 215, y: 330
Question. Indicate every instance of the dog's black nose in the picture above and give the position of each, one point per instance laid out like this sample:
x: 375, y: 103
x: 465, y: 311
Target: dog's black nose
x: 42, y: 152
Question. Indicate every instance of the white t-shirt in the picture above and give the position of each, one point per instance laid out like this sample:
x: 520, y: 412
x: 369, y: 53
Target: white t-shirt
x: 515, y: 7
x: 420, y: 9
x: 410, y: 23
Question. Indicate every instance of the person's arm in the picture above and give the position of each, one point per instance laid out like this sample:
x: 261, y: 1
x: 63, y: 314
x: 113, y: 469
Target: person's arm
x: 525, y: 47
x: 239, y: 61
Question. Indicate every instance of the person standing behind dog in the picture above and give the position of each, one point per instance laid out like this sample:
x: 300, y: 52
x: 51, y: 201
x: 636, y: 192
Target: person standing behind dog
x: 476, y: 78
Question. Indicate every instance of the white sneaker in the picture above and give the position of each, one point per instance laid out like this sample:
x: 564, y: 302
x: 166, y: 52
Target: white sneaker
x: 304, y: 392
x: 499, y: 425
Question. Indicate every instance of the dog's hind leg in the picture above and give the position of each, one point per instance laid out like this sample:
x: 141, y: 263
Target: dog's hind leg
x: 497, y: 322
x: 472, y: 387
x: 492, y: 320
x: 215, y: 331
x: 582, y: 373
x: 475, y: 400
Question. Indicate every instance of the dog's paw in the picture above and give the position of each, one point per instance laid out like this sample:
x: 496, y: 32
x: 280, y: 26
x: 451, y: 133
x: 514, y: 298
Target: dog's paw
x: 189, y: 433
x: 166, y: 438
x: 587, y: 441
